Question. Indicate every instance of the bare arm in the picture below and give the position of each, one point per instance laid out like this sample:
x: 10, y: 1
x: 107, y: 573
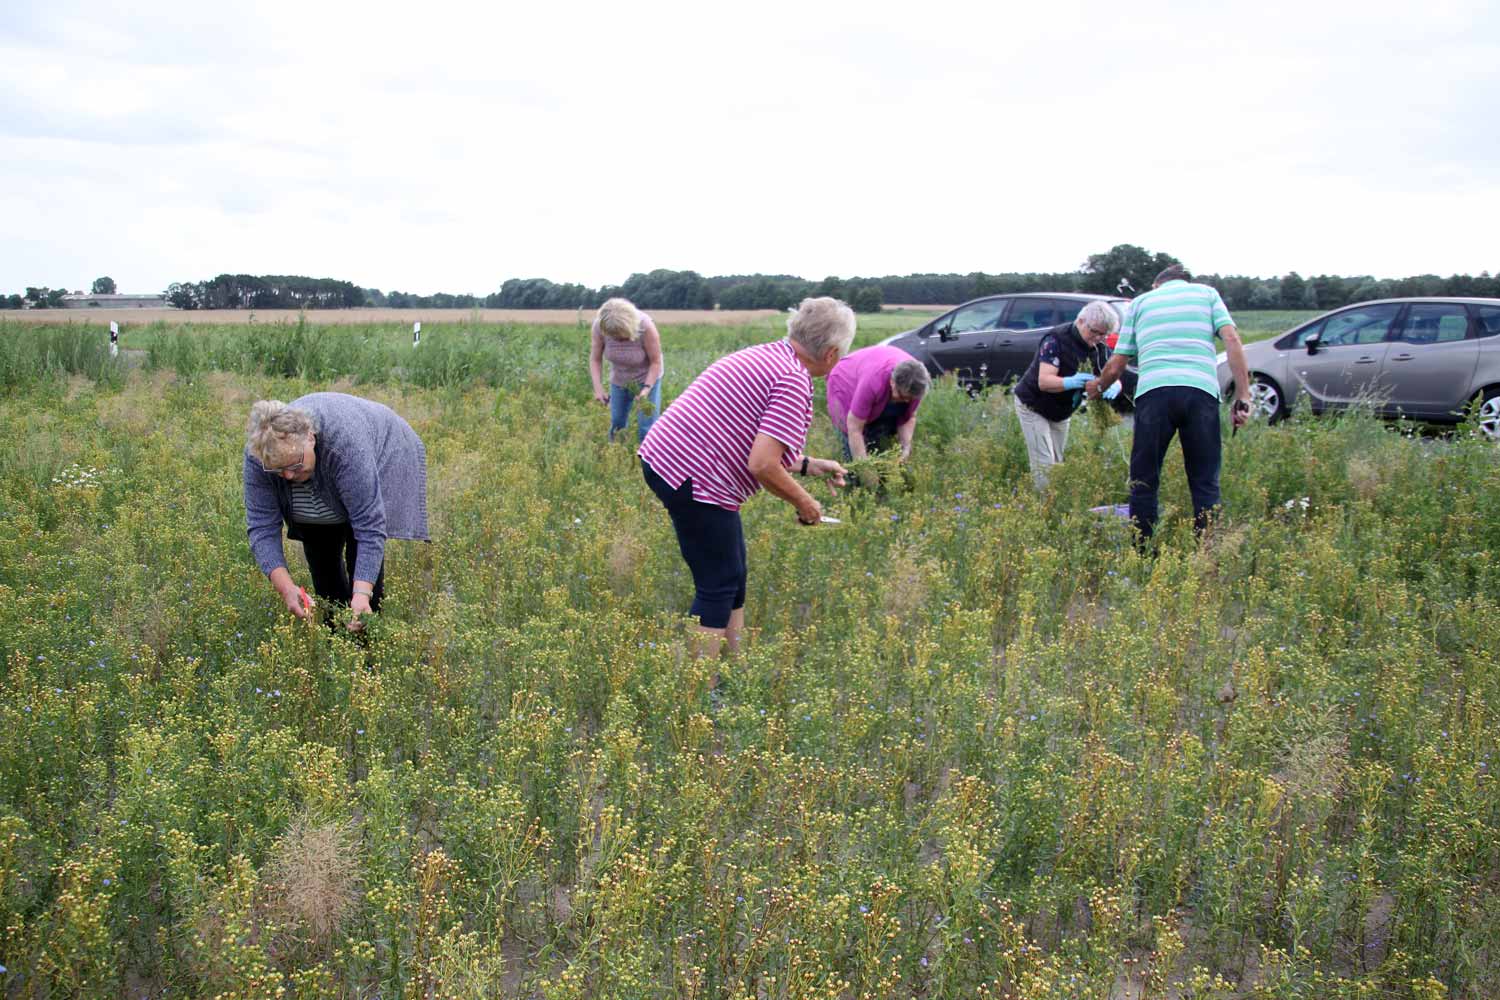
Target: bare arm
x: 651, y: 341
x: 765, y: 466
x: 1239, y: 413
x: 1113, y: 369
x: 1238, y: 366
x: 904, y: 433
x: 856, y: 430
x: 1047, y: 378
x: 596, y: 365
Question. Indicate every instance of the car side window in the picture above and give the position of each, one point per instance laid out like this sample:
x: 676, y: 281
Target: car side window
x: 1486, y: 321
x: 1031, y: 314
x: 1066, y: 310
x: 1360, y: 325
x: 1435, y: 323
x: 1299, y: 339
x: 978, y: 316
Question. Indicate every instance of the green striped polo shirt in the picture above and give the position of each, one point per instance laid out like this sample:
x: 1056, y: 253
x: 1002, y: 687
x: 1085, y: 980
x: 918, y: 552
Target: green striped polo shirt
x: 1170, y: 332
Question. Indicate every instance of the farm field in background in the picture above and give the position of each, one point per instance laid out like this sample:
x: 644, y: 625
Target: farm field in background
x: 978, y: 747
x: 344, y: 317
x: 1254, y: 325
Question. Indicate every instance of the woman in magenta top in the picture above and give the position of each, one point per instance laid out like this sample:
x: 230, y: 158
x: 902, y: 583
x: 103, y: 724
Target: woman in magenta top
x: 740, y: 426
x: 873, y: 395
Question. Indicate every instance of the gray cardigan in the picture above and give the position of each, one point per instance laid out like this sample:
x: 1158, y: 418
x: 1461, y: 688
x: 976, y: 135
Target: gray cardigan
x: 369, y: 466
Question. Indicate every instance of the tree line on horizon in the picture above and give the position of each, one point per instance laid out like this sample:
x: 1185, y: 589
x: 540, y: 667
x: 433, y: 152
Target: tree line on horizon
x: 666, y: 289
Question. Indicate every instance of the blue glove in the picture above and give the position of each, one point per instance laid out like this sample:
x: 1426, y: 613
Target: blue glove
x: 1076, y: 381
x: 1112, y: 391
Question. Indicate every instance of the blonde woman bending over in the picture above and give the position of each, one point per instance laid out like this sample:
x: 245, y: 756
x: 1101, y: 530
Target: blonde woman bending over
x: 629, y: 339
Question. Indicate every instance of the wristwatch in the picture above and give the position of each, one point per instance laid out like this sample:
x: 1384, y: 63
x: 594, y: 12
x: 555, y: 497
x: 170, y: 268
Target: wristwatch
x: 804, y: 466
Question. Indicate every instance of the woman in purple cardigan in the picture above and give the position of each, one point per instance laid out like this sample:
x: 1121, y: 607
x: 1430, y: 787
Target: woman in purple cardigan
x: 343, y: 474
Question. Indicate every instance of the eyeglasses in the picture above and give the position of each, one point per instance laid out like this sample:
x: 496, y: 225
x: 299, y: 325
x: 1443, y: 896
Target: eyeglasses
x: 294, y: 468
x: 1098, y: 332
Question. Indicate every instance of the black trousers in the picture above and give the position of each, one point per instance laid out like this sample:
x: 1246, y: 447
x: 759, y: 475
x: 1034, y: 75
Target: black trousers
x: 1192, y: 416
x: 712, y: 542
x: 331, y: 551
x: 879, y: 433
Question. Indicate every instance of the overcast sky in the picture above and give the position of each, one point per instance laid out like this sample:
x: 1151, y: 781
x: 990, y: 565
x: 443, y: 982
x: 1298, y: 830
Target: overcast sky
x: 437, y: 146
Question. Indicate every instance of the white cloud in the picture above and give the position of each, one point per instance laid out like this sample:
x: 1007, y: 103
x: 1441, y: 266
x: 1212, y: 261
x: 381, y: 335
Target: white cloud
x: 436, y: 146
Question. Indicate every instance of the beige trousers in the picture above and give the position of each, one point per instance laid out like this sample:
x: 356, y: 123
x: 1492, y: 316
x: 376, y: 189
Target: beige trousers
x: 1045, y: 442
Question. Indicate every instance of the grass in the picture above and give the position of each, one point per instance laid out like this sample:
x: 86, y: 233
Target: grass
x: 978, y: 746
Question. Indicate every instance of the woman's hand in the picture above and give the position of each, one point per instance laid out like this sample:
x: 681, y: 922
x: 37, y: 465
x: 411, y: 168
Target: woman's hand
x: 809, y: 512
x: 359, y: 605
x: 600, y: 395
x: 292, y: 598
x: 292, y: 595
x: 827, y: 468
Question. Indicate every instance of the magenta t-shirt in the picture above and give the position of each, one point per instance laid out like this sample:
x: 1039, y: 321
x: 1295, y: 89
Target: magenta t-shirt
x: 861, y: 384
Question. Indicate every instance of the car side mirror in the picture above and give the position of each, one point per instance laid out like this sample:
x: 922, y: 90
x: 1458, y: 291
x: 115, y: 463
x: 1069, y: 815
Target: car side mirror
x: 945, y: 332
x: 1312, y: 343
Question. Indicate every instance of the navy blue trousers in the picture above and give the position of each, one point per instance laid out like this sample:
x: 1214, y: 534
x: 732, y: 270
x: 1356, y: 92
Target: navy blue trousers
x: 1191, y: 415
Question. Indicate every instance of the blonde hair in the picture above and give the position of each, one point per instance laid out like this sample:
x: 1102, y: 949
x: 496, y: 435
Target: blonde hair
x: 619, y: 319
x: 276, y: 429
x: 821, y: 323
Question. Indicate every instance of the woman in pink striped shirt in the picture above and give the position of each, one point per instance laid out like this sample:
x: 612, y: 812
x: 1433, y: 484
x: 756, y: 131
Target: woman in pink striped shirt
x: 740, y: 426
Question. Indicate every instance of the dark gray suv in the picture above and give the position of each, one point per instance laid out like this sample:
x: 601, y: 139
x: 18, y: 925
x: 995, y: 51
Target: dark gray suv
x: 991, y: 341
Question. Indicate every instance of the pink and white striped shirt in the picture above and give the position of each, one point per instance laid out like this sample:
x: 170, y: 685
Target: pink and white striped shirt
x: 707, y: 432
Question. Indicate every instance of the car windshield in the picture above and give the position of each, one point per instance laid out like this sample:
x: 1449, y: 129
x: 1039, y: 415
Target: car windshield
x: 978, y: 316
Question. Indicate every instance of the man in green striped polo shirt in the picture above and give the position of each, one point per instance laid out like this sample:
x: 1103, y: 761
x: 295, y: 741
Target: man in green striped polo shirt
x: 1170, y: 330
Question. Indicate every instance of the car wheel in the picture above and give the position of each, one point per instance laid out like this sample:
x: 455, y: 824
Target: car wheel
x: 1489, y: 415
x: 1266, y: 399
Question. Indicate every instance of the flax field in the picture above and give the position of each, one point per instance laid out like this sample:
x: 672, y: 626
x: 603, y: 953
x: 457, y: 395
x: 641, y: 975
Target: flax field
x: 976, y: 745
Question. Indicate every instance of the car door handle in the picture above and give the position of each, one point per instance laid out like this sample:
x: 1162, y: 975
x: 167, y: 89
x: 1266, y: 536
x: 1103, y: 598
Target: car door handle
x: 980, y: 345
x: 1402, y: 357
x: 1366, y: 360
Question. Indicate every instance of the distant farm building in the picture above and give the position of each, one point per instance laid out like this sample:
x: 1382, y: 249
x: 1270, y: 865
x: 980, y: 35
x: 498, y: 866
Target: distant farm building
x: 83, y: 300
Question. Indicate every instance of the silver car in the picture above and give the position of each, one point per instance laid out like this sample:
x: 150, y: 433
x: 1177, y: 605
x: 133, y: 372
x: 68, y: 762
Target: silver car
x: 1424, y: 358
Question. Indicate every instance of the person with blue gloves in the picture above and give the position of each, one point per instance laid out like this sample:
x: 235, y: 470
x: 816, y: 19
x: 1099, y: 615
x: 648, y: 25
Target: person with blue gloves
x: 1053, y: 386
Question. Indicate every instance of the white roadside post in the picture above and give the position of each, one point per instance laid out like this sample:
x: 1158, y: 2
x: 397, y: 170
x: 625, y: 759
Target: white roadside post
x: 114, y: 339
x: 416, y: 333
